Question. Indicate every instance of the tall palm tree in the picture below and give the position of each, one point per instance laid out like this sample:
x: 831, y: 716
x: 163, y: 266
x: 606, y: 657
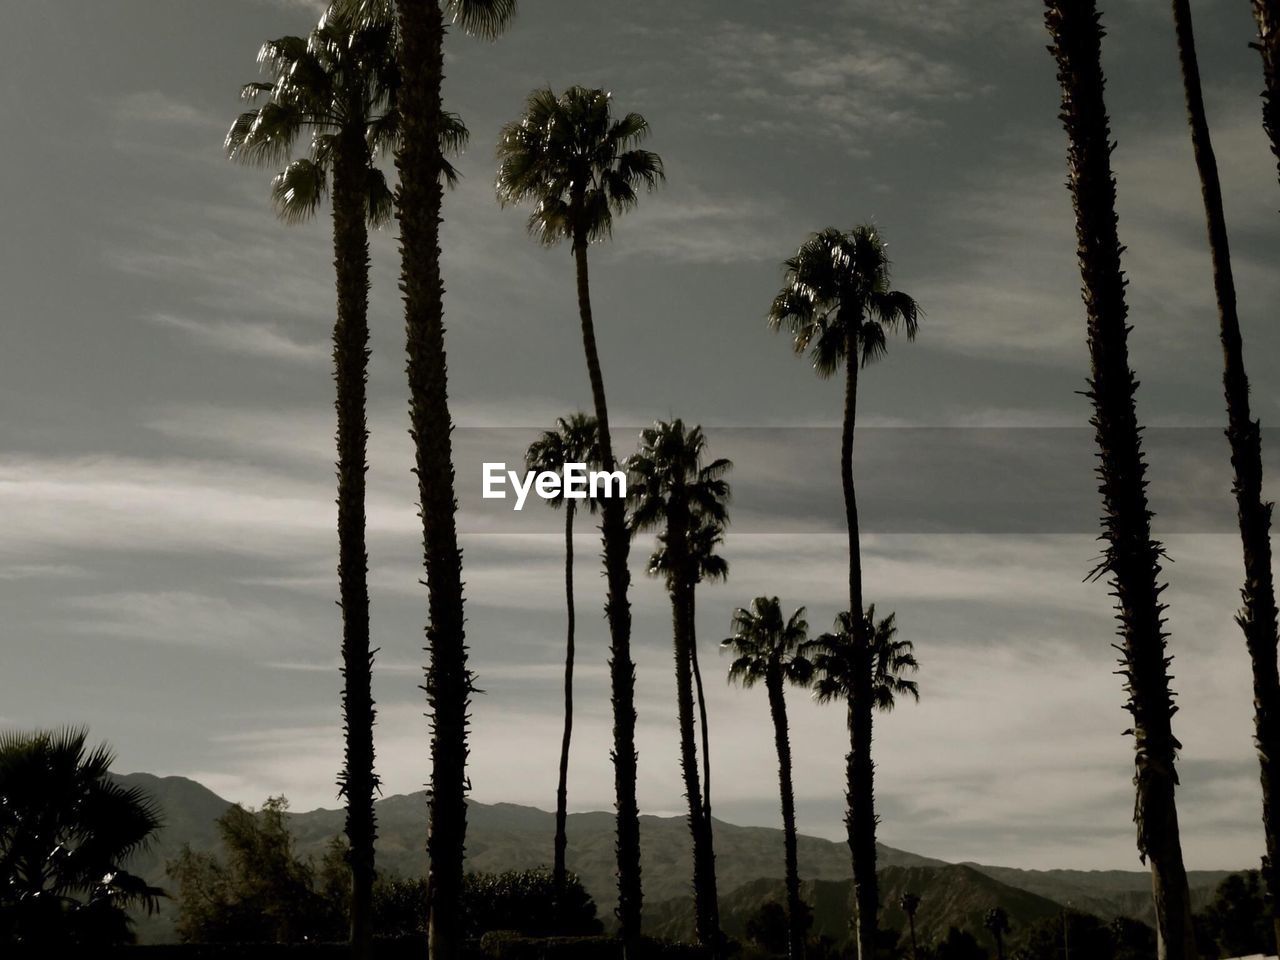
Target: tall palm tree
x: 1267, y: 13
x: 673, y: 487
x: 66, y: 828
x: 339, y: 85
x: 861, y: 665
x: 1258, y: 617
x: 706, y: 537
x: 579, y: 167
x: 996, y: 920
x: 910, y: 903
x: 1131, y: 558
x: 837, y: 304
x: 767, y: 649
x: 574, y: 440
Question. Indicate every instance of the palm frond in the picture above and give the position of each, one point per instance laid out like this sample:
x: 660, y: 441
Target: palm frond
x: 296, y: 191
x: 482, y: 18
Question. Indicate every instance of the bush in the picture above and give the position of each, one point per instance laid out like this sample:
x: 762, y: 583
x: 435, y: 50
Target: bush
x: 508, y: 945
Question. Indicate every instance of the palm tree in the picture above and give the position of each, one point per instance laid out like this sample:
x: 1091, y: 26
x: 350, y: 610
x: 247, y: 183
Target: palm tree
x: 421, y: 165
x: 339, y: 85
x: 910, y: 903
x: 573, y: 441
x: 838, y: 305
x: 1267, y: 13
x: 578, y: 167
x: 706, y: 537
x: 1131, y: 558
x: 673, y: 487
x: 767, y: 649
x: 996, y: 921
x: 1258, y: 617
x: 862, y: 666
x: 65, y: 829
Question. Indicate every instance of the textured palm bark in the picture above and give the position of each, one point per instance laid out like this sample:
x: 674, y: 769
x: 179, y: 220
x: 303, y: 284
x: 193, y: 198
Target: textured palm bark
x: 1267, y: 14
x: 559, y: 871
x: 860, y: 816
x: 782, y: 741
x: 1132, y: 557
x: 358, y: 781
x: 448, y: 679
x: 622, y: 671
x: 706, y: 910
x: 1258, y: 617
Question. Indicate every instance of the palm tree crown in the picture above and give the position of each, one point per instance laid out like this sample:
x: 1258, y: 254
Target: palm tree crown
x: 576, y: 164
x: 835, y: 661
x: 836, y: 297
x: 765, y: 644
x: 668, y: 472
x: 481, y: 18
x: 575, y: 439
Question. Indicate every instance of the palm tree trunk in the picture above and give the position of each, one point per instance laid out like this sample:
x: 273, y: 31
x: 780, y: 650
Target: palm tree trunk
x: 622, y: 671
x: 911, y: 922
x: 358, y: 782
x: 702, y: 709
x: 448, y: 679
x: 860, y: 818
x: 1132, y: 557
x: 782, y: 741
x: 704, y: 893
x: 1267, y: 13
x: 562, y: 789
x: 1258, y: 618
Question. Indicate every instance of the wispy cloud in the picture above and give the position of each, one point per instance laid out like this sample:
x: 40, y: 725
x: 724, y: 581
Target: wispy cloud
x: 250, y: 339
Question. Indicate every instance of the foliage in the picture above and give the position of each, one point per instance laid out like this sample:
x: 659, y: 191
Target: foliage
x: 575, y: 163
x: 1238, y: 921
x: 1089, y: 936
x: 66, y: 829
x: 957, y: 945
x: 835, y: 659
x: 260, y: 889
x: 765, y: 644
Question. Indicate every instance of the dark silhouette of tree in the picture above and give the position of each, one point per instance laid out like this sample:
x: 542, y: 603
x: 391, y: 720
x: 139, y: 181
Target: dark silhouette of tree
x: 838, y: 305
x: 1238, y: 921
x: 910, y: 903
x: 1258, y: 617
x: 339, y: 85
x: 996, y: 921
x: 856, y: 664
x: 674, y: 488
x: 1131, y: 558
x: 422, y: 166
x: 257, y: 888
x: 66, y: 828
x: 766, y: 650
x: 579, y: 167
x: 1267, y: 13
x: 574, y: 440
x: 958, y: 945
x: 704, y: 540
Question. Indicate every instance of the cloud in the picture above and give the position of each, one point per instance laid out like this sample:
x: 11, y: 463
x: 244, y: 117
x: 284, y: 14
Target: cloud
x: 154, y: 107
x: 250, y: 339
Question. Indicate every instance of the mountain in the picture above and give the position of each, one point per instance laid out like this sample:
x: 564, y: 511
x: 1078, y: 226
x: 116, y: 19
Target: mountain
x: 506, y: 836
x: 951, y: 895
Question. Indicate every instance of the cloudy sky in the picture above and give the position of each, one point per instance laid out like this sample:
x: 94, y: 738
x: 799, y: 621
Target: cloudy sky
x: 167, y: 544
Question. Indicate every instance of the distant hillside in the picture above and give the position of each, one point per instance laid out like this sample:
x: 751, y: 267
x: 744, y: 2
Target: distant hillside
x: 748, y: 862
x: 951, y: 895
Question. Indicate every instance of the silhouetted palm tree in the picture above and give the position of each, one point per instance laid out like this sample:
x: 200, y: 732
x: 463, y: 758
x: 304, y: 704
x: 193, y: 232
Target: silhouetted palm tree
x: 338, y: 85
x: 579, y: 166
x: 672, y: 487
x: 996, y: 921
x: 767, y: 649
x: 1258, y: 618
x: 1267, y: 13
x: 861, y: 665
x: 838, y: 305
x: 65, y: 829
x: 910, y: 903
x: 704, y: 540
x: 421, y: 164
x: 573, y: 441
x: 1132, y: 557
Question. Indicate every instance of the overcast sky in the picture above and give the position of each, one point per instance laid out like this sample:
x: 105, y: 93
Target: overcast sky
x: 166, y: 484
